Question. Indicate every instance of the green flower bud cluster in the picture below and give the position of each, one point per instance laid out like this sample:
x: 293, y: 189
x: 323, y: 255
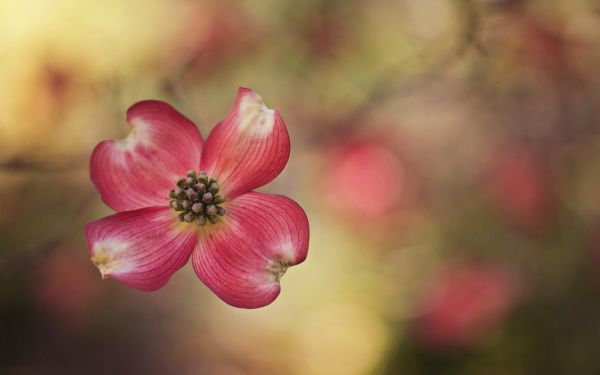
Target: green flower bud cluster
x: 196, y: 199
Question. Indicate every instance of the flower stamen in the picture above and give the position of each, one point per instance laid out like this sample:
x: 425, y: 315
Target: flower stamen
x: 196, y: 199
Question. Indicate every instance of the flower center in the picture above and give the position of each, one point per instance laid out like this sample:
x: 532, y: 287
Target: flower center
x: 196, y: 199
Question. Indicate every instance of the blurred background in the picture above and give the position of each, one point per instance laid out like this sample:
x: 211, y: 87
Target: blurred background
x: 447, y: 153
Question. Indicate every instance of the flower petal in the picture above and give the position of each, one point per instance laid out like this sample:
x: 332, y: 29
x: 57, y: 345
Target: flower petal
x: 139, y: 170
x: 243, y: 257
x: 249, y: 148
x: 140, y: 248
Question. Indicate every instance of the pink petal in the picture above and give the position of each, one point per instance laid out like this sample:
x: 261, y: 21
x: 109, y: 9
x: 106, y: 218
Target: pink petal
x: 140, y: 248
x: 139, y: 170
x: 249, y: 148
x: 242, y: 258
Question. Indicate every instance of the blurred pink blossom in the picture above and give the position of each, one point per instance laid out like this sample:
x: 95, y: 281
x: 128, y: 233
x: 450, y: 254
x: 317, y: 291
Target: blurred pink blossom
x: 465, y: 303
x: 364, y: 179
x: 521, y: 188
x: 66, y: 288
x: 213, y: 33
x: 542, y: 45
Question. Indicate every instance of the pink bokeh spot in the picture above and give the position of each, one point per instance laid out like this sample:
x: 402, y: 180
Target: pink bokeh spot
x: 365, y: 179
x: 242, y: 254
x: 465, y: 303
x: 66, y: 288
x: 522, y: 189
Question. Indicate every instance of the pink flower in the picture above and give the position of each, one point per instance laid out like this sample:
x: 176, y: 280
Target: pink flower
x: 465, y: 303
x: 65, y: 288
x: 522, y: 188
x: 373, y: 161
x: 178, y: 196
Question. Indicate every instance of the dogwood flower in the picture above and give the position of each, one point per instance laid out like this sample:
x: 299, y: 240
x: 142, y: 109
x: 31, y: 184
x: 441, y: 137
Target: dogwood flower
x: 178, y: 196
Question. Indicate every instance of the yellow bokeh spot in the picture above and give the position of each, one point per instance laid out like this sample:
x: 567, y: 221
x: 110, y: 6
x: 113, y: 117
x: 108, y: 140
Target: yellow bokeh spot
x: 343, y: 338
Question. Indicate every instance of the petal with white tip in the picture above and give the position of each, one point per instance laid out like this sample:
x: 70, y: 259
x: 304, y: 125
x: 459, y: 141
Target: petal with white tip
x: 139, y: 170
x: 140, y: 248
x: 243, y: 257
x: 249, y: 148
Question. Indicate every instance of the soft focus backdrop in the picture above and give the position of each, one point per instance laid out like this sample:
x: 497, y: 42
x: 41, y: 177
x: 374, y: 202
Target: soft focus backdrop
x: 447, y: 153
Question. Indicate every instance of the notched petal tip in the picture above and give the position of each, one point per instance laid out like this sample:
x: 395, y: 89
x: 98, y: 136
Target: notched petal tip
x: 285, y: 256
x: 103, y: 266
x: 105, y: 256
x: 254, y: 116
x: 277, y: 268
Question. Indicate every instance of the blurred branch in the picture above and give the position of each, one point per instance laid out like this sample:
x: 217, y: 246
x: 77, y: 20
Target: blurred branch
x: 29, y: 255
x: 33, y: 254
x: 385, y: 87
x: 19, y: 164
